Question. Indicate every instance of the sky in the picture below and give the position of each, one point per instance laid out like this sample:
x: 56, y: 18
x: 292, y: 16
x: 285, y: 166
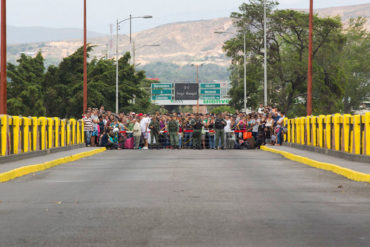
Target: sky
x: 101, y: 13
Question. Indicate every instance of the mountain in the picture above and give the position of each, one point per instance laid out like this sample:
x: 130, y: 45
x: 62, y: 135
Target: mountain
x: 23, y: 35
x: 180, y: 43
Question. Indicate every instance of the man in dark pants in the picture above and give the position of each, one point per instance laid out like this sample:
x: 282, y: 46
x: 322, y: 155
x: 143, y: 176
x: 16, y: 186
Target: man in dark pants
x: 173, y: 129
x: 154, y: 132
x: 197, y: 134
x: 220, y: 124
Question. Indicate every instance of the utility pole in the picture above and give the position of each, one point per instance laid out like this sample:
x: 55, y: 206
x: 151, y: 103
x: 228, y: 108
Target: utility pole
x: 117, y: 29
x: 197, y: 66
x: 245, y: 74
x: 309, y: 75
x: 3, y: 80
x: 265, y: 45
x: 85, y: 62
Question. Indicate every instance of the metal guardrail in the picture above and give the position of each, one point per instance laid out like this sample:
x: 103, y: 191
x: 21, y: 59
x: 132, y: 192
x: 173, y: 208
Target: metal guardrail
x: 28, y: 134
x: 344, y: 133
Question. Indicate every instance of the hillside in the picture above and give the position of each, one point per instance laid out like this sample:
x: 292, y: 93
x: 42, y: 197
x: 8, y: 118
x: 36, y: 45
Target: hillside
x: 180, y: 43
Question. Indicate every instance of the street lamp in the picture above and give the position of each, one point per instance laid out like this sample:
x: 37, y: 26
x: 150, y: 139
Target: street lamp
x: 3, y: 94
x: 265, y: 51
x: 85, y: 62
x: 245, y: 68
x: 117, y: 29
x: 134, y: 49
x: 197, y: 67
x: 309, y: 73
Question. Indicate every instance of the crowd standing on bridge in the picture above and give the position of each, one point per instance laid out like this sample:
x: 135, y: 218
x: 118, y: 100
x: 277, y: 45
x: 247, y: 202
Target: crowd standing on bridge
x: 183, y: 130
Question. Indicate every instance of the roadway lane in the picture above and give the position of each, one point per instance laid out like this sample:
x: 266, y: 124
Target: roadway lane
x: 184, y: 198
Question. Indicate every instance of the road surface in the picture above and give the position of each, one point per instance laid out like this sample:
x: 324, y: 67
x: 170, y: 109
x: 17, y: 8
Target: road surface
x: 184, y: 198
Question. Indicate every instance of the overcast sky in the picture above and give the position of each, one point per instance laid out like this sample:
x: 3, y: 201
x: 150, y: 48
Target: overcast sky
x: 68, y: 13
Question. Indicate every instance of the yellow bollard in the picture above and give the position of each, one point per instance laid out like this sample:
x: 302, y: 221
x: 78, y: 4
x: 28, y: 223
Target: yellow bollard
x: 337, y: 120
x: 302, y: 123
x: 298, y: 130
x: 63, y: 133
x: 308, y: 130
x: 78, y: 132
x: 357, y: 133
x: 35, y: 133
x: 42, y: 123
x: 15, y: 122
x: 328, y: 131
x: 69, y: 132
x: 26, y: 132
x: 289, y: 134
x: 320, y: 121
x: 73, y: 131
x: 314, y: 131
x: 367, y: 132
x: 292, y: 121
x: 82, y: 132
x: 3, y: 134
x: 346, y: 133
x: 50, y: 132
x: 56, y: 132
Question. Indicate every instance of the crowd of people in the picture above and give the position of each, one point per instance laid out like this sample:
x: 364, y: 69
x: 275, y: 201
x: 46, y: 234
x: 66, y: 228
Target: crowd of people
x: 103, y: 128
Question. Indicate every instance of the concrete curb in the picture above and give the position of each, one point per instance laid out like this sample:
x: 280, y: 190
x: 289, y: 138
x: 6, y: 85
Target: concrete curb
x: 348, y: 173
x: 22, y: 156
x: 337, y: 154
x: 25, y: 170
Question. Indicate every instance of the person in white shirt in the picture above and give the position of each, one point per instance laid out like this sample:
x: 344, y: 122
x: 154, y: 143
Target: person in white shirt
x: 228, y: 133
x: 144, y: 124
x: 261, y: 109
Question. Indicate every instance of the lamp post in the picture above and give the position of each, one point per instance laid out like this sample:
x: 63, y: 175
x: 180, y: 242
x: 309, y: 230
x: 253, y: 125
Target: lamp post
x: 197, y: 80
x: 3, y: 94
x: 85, y: 62
x: 117, y: 29
x: 309, y: 73
x: 245, y: 68
x: 265, y: 51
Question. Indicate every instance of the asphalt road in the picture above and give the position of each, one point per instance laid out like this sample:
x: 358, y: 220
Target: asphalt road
x: 184, y: 198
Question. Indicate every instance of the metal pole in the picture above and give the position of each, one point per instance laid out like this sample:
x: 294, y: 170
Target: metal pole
x: 265, y: 45
x: 245, y: 75
x: 197, y: 66
x: 133, y: 53
x: 309, y: 75
x: 85, y: 62
x: 3, y: 94
x: 117, y: 28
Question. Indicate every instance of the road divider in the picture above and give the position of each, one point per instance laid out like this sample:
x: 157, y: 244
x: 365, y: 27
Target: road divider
x: 25, y: 170
x: 348, y: 173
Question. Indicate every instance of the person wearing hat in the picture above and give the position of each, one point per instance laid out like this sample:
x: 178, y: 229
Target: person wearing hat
x: 154, y: 133
x: 197, y: 134
x: 173, y: 129
x: 220, y: 124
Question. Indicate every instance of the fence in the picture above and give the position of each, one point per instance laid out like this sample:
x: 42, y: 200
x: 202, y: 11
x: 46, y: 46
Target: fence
x: 345, y: 133
x: 28, y: 134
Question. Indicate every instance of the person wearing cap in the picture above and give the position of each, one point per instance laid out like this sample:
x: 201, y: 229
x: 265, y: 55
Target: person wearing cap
x: 220, y: 124
x: 173, y: 129
x: 197, y: 134
x: 154, y: 133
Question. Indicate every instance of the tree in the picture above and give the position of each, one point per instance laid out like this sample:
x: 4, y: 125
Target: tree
x: 25, y: 86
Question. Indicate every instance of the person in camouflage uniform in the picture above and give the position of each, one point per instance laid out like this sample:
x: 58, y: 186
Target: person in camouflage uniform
x: 154, y: 132
x: 197, y: 134
x: 220, y: 124
x: 173, y: 129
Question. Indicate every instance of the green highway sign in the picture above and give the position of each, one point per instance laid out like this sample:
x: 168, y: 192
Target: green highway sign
x: 210, y: 97
x: 210, y: 91
x: 167, y: 91
x: 210, y: 85
x: 160, y: 97
x: 216, y: 102
x: 161, y: 85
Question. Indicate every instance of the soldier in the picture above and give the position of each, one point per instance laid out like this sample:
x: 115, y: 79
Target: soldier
x: 197, y: 134
x: 173, y: 129
x: 154, y: 132
x: 220, y: 124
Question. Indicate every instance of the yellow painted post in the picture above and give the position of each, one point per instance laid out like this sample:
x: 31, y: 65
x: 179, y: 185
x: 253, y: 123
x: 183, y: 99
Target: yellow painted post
x: 337, y: 120
x: 69, y: 132
x: 3, y: 134
x: 56, y: 132
x: 73, y: 131
x: 302, y: 123
x: 50, y: 132
x: 78, y: 132
x: 308, y: 130
x: 82, y: 132
x: 346, y: 133
x: 314, y: 131
x: 321, y: 131
x: 292, y: 121
x: 298, y: 130
x: 42, y: 123
x: 289, y: 131
x: 328, y: 121
x: 35, y: 133
x: 16, y: 134
x: 63, y: 133
x: 357, y: 132
x: 26, y: 131
x: 367, y: 133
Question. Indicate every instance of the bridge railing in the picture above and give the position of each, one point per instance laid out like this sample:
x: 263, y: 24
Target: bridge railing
x: 345, y: 133
x: 28, y: 134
